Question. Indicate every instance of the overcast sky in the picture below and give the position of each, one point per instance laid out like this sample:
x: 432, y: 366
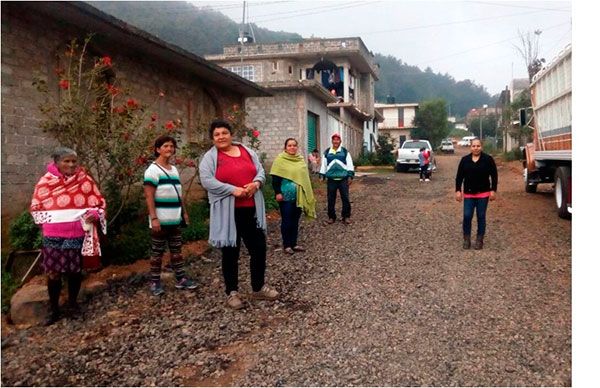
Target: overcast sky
x: 466, y: 39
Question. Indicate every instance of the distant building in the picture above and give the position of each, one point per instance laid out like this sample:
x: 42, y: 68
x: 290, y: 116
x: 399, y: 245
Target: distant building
x: 319, y: 87
x: 398, y: 120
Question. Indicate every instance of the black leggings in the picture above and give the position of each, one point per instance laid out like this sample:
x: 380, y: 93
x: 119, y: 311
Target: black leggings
x: 256, y: 242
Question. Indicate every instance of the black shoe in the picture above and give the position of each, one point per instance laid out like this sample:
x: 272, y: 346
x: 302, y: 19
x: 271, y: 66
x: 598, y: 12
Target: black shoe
x: 466, y: 241
x: 478, y: 243
x: 52, y: 318
x: 73, y: 311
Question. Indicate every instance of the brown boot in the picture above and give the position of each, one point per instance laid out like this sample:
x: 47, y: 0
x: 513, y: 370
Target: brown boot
x: 467, y: 241
x: 478, y: 242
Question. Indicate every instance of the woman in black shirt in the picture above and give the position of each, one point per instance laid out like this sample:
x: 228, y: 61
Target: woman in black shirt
x: 477, y: 171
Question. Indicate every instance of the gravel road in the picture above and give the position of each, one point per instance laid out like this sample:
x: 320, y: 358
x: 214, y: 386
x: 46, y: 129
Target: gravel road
x: 392, y: 299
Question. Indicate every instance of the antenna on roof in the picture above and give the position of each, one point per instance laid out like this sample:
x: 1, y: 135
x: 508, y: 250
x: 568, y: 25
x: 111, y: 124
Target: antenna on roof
x: 244, y: 35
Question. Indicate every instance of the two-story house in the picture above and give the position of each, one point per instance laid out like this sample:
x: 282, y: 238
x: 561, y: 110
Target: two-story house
x: 398, y: 120
x: 319, y: 87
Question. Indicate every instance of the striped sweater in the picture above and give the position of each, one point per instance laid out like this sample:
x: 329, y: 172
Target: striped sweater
x: 166, y: 200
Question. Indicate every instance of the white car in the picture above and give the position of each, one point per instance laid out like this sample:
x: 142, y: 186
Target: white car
x: 447, y: 146
x: 408, y: 155
x: 466, y: 141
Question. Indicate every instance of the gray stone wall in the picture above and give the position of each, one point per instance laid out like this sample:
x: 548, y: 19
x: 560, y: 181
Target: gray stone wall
x: 33, y: 45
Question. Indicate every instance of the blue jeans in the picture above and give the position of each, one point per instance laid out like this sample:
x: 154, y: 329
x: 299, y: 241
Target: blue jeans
x: 290, y: 218
x: 470, y: 204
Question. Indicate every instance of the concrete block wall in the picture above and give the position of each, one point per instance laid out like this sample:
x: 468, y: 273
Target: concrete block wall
x: 277, y: 118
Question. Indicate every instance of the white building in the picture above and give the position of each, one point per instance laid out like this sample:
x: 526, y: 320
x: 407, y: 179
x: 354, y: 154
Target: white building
x: 398, y: 120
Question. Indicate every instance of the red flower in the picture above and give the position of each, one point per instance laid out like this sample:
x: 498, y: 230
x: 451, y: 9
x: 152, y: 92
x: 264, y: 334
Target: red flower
x: 132, y: 103
x: 140, y: 160
x: 169, y: 125
x: 154, y: 116
x: 107, y: 61
x: 255, y: 133
x: 63, y: 84
x: 112, y: 89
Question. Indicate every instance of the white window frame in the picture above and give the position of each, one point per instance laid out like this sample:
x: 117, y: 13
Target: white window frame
x: 245, y: 71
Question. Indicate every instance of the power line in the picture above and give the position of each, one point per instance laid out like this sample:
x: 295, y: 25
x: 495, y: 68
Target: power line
x: 484, y: 46
x: 519, y: 6
x: 449, y: 23
x: 302, y: 10
x: 332, y: 8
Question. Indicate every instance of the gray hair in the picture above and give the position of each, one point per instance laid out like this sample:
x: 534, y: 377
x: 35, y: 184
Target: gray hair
x: 60, y: 152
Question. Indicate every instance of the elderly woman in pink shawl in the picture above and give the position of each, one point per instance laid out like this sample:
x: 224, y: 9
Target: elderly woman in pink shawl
x: 68, y: 205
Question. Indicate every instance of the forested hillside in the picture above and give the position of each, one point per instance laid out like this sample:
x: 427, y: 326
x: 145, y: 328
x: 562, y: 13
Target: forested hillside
x: 199, y: 30
x: 205, y: 31
x: 410, y: 84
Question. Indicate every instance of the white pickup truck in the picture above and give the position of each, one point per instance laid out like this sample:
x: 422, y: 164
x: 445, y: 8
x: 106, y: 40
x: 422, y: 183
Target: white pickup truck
x: 408, y: 155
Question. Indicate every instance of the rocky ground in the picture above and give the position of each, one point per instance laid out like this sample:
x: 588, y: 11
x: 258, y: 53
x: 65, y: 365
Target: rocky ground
x: 392, y: 299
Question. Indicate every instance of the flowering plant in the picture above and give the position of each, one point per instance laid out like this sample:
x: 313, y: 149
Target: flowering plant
x: 112, y: 133
x: 237, y: 117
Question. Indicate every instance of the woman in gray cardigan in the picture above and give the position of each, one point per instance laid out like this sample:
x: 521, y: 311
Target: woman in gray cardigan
x: 232, y: 175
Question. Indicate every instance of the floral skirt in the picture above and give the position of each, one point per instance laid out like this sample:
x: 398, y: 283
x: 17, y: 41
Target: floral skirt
x: 61, y: 255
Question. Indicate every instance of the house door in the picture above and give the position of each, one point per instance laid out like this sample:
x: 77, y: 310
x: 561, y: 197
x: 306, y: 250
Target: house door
x: 312, y: 132
x: 402, y: 139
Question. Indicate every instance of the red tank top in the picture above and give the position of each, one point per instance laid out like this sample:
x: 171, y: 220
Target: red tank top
x: 237, y: 171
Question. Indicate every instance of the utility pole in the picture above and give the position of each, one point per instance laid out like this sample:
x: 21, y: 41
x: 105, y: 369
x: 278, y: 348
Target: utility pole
x: 480, y: 128
x: 242, y: 32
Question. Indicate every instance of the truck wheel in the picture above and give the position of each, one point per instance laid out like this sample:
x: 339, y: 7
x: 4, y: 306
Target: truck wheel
x: 529, y: 186
x: 561, y: 191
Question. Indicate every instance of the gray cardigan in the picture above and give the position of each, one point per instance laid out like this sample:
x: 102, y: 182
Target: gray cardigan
x: 222, y: 231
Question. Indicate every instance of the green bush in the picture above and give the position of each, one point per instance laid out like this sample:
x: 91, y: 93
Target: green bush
x: 489, y: 146
x: 130, y: 243
x: 364, y: 159
x: 515, y: 154
x: 23, y: 233
x: 9, y: 286
x: 269, y: 194
x: 199, y: 213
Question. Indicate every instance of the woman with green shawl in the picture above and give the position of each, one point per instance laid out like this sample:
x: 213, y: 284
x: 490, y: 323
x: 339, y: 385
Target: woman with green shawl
x: 293, y: 191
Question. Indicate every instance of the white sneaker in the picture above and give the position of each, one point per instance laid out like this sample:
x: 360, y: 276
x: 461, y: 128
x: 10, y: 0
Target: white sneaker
x: 266, y: 293
x: 234, y: 301
x: 420, y: 180
x: 426, y: 180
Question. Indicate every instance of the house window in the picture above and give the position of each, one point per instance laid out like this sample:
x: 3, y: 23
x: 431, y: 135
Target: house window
x: 275, y: 65
x: 290, y: 69
x: 245, y: 71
